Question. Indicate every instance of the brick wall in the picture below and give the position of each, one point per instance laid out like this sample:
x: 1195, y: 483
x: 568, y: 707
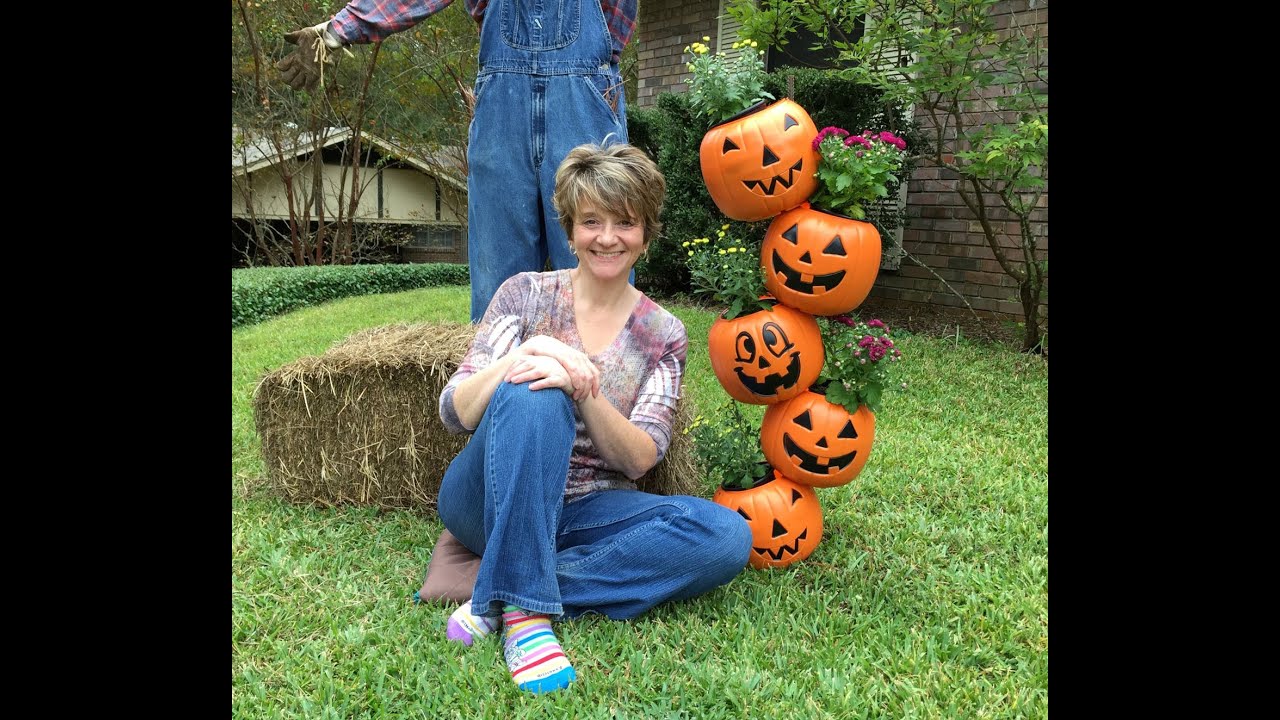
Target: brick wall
x: 663, y: 29
x: 941, y: 232
x: 945, y: 236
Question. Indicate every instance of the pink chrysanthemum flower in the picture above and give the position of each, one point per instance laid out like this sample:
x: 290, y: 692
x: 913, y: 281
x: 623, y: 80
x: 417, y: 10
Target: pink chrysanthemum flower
x: 826, y: 132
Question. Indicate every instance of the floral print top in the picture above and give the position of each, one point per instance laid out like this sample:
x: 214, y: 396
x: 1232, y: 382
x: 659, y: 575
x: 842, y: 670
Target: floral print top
x: 640, y: 371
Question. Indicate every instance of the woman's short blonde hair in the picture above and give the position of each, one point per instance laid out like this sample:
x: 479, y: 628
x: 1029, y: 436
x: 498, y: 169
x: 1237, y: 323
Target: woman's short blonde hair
x: 618, y: 178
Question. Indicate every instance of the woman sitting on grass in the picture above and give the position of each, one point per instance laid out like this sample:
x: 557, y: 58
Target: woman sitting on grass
x: 570, y: 387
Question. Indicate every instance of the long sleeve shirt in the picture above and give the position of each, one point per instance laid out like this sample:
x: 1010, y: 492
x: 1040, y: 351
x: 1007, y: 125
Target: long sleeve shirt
x: 639, y: 372
x: 368, y: 21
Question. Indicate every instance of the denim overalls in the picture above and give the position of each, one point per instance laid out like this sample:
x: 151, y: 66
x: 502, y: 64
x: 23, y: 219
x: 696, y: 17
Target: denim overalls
x: 546, y: 85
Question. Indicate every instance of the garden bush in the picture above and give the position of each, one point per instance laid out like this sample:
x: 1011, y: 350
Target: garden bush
x: 264, y: 292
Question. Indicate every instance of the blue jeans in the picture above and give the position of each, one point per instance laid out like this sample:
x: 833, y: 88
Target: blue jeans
x: 547, y: 83
x: 615, y: 552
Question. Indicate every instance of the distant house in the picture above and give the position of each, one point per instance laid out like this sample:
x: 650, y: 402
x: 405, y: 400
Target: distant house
x: 424, y: 199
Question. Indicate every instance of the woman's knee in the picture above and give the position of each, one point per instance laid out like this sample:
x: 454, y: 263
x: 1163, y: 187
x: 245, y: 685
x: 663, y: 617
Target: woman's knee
x: 726, y: 537
x: 536, y: 405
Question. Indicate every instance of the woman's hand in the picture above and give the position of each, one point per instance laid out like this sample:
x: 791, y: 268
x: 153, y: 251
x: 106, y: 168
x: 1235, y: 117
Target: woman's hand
x: 541, y: 371
x: 584, y: 376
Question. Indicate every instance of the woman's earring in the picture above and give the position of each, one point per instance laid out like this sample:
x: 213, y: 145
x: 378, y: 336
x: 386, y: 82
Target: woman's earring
x: 573, y: 250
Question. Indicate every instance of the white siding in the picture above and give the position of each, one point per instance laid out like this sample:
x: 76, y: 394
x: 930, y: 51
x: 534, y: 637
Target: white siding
x: 408, y: 196
x: 727, y: 28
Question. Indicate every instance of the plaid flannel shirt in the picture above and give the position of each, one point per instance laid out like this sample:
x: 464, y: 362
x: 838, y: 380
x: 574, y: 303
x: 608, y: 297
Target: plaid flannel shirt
x: 368, y: 21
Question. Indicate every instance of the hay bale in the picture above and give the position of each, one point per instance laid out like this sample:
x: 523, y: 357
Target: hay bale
x: 359, y: 424
x: 679, y: 472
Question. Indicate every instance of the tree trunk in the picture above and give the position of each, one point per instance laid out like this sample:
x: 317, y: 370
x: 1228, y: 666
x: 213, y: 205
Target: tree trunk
x: 1030, y: 296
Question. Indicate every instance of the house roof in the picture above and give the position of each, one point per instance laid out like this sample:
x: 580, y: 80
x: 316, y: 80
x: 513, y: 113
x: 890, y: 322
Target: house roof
x: 251, y: 152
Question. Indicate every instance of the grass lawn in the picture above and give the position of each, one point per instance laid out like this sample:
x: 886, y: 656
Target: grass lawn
x: 928, y: 597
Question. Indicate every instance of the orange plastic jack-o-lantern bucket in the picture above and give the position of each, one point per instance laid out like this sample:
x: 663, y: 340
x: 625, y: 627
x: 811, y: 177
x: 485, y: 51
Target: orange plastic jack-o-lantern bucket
x: 767, y: 356
x: 761, y: 162
x: 816, y: 442
x: 785, y: 519
x: 819, y: 262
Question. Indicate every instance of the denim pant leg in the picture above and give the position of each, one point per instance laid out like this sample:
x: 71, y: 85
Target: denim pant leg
x: 503, y: 494
x: 504, y: 198
x: 575, y: 114
x: 624, y: 551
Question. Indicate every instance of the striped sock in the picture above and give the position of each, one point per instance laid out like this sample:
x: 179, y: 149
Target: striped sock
x: 534, y: 656
x: 465, y: 627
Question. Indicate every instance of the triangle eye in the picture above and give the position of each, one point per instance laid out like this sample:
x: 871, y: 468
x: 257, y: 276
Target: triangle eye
x: 835, y: 247
x: 728, y: 145
x: 788, y: 122
x: 744, y: 514
x: 848, y: 433
x: 795, y: 496
x: 804, y: 421
x: 790, y: 234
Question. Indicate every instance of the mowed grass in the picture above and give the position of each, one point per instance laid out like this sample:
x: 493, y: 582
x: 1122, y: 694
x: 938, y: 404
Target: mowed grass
x: 928, y: 597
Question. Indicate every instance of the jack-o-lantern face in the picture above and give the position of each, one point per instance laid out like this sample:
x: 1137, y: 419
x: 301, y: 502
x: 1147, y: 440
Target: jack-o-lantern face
x: 762, y: 162
x: 767, y: 356
x: 820, y: 263
x: 816, y: 442
x: 785, y: 520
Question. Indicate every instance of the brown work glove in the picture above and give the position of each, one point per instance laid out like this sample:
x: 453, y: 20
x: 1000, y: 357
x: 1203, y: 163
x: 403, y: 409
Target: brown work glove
x: 317, y: 50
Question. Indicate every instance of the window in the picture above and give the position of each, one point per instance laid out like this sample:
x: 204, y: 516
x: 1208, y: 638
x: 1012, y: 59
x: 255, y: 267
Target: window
x: 437, y: 237
x: 798, y: 52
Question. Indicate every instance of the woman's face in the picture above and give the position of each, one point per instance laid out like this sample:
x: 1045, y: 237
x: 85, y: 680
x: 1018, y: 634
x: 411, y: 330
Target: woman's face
x: 607, y: 245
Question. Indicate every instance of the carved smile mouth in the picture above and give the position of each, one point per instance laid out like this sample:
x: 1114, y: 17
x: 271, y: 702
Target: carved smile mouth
x: 758, y: 187
x: 772, y: 382
x: 785, y: 550
x: 794, y: 279
x: 812, y: 463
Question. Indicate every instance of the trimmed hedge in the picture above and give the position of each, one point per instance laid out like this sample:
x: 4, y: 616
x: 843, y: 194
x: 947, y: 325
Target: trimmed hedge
x: 264, y: 292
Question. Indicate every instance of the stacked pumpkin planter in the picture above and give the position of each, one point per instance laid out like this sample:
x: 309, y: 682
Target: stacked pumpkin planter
x: 756, y: 165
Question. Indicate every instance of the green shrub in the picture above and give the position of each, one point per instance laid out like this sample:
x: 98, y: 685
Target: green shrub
x: 263, y: 292
x: 673, y: 133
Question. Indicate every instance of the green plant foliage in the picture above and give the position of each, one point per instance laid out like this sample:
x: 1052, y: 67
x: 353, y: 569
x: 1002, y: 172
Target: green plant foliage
x: 856, y: 170
x: 832, y: 99
x: 264, y: 292
x: 859, y: 357
x: 728, y: 445
x: 721, y: 87
x: 728, y: 271
x: 671, y: 134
